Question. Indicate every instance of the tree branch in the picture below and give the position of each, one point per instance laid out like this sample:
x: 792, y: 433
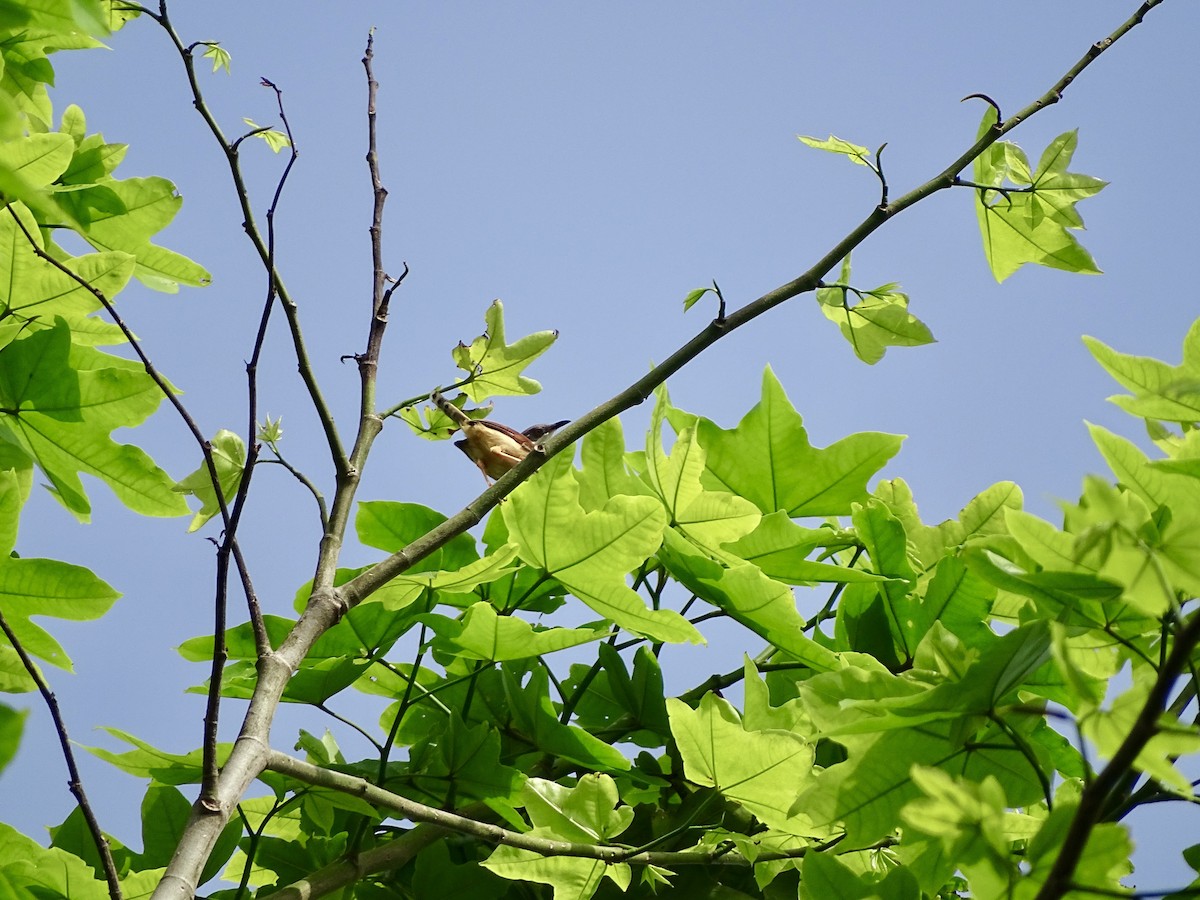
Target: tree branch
x: 1094, y: 798
x: 290, y: 309
x: 75, y: 785
x: 495, y: 834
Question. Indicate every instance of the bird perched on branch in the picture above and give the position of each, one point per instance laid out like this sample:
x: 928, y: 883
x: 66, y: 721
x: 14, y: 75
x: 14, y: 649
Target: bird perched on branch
x: 495, y: 448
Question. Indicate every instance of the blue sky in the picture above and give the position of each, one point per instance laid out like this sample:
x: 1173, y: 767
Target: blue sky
x: 589, y: 165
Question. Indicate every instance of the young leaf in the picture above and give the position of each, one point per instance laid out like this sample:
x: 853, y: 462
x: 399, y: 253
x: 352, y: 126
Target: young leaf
x: 220, y: 57
x: 1031, y: 222
x: 877, y: 319
x: 693, y: 297
x: 853, y: 152
x: 229, y: 457
x: 495, y: 367
x: 274, y: 139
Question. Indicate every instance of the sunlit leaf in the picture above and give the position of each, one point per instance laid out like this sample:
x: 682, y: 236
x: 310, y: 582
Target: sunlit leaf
x: 495, y: 366
x: 1028, y: 218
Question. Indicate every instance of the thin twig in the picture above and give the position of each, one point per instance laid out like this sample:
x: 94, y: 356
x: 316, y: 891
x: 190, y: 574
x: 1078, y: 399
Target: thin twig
x: 290, y: 309
x: 75, y: 784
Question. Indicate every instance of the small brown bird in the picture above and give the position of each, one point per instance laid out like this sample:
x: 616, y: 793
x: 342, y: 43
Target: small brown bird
x: 495, y: 448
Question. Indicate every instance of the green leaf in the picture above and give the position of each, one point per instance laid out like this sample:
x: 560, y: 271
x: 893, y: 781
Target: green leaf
x: 62, y: 401
x: 856, y: 154
x: 746, y: 595
x: 144, y: 207
x: 586, y: 813
x: 1160, y: 390
x: 229, y: 458
x: 591, y: 552
x: 273, y: 138
x: 45, y: 587
x: 1172, y: 740
x: 710, y: 518
x: 146, y: 761
x: 220, y: 57
x: 604, y: 474
x: 693, y: 297
x: 1031, y: 223
x: 12, y: 723
x: 534, y: 718
x: 613, y: 696
x: 391, y: 526
x: 494, y: 367
x: 29, y: 871
x: 36, y: 291
x: 780, y: 548
x: 590, y: 812
x: 768, y: 460
x: 866, y: 792
x: 763, y: 770
x: 483, y: 634
x: 407, y: 587
x: 887, y: 546
x: 38, y: 159
x: 877, y: 319
x: 464, y: 762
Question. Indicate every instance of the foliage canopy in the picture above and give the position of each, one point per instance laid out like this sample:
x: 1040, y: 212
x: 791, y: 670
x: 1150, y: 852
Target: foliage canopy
x: 935, y: 726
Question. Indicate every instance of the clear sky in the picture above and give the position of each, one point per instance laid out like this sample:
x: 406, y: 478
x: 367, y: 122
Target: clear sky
x: 589, y: 164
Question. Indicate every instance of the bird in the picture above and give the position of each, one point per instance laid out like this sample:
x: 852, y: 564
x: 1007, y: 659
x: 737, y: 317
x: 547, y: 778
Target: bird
x: 493, y: 447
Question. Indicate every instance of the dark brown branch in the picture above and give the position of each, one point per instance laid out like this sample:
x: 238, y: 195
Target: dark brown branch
x: 75, y: 784
x: 1096, y: 794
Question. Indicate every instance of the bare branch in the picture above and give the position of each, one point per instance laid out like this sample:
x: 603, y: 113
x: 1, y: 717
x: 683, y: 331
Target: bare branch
x: 75, y: 784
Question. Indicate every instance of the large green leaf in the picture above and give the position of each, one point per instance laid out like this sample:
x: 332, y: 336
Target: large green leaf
x: 748, y: 596
x: 60, y: 404
x: 768, y: 460
x: 981, y: 517
x: 780, y: 548
x: 45, y: 587
x: 765, y: 771
x: 614, y: 696
x: 391, y: 526
x: 1031, y: 220
x: 590, y: 553
x: 29, y: 871
x: 464, y: 762
x: 586, y: 813
x: 710, y: 518
x: 125, y: 215
x: 1160, y: 390
x: 867, y: 791
x: 887, y: 546
x: 494, y: 367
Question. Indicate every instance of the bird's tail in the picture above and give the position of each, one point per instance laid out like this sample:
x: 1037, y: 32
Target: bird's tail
x: 460, y: 417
